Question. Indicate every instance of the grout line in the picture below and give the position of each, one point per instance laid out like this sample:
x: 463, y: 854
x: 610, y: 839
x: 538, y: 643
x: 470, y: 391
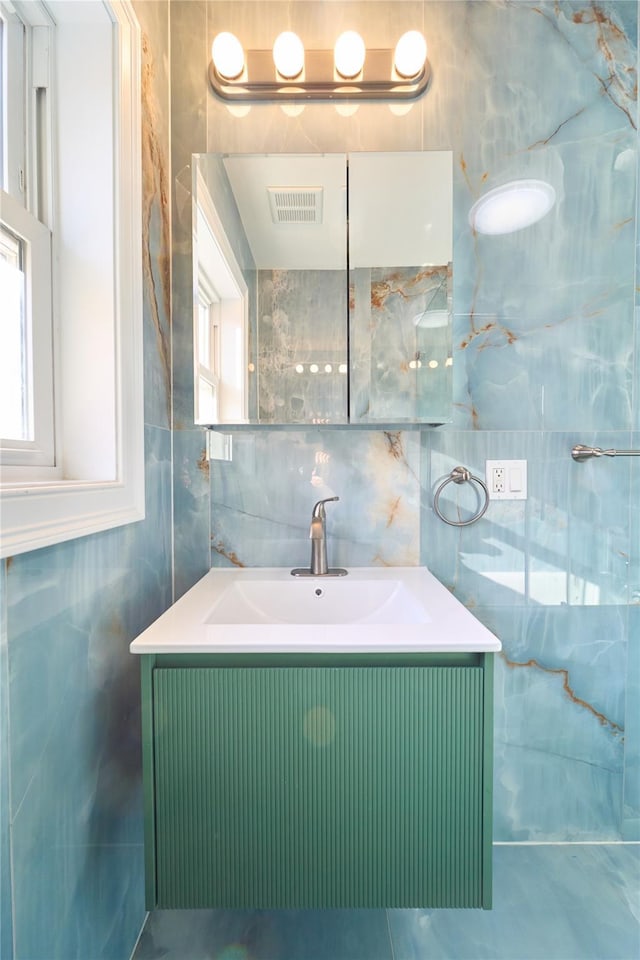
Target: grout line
x: 565, y: 843
x: 135, y: 946
x: 393, y: 955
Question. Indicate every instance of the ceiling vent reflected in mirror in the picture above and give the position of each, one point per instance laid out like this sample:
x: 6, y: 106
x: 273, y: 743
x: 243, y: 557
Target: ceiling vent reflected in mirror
x: 295, y: 204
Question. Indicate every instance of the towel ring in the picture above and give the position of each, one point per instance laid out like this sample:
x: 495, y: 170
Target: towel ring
x: 461, y: 475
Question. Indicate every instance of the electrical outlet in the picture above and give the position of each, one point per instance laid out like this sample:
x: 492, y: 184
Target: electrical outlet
x: 506, y: 479
x: 497, y: 480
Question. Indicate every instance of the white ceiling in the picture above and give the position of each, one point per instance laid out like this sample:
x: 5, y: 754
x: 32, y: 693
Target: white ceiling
x: 400, y: 209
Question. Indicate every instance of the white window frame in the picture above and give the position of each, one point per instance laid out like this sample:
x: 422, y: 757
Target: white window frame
x: 209, y: 373
x: 35, y: 240
x: 25, y: 212
x: 96, y: 312
x: 216, y: 271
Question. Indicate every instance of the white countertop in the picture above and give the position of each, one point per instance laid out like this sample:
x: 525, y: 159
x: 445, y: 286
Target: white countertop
x: 421, y: 615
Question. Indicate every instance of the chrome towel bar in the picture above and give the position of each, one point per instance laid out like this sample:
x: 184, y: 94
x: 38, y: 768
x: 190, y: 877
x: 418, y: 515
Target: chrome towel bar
x: 581, y: 452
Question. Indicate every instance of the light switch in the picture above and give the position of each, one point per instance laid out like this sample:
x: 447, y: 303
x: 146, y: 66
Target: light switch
x: 515, y: 480
x: 506, y: 479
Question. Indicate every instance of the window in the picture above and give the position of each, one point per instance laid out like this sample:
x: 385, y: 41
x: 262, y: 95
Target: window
x: 221, y: 318
x: 72, y: 449
x: 208, y: 345
x: 26, y: 343
x: 26, y: 355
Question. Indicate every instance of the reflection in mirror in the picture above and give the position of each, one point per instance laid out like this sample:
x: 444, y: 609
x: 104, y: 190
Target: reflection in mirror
x: 283, y: 333
x: 221, y: 304
x: 293, y: 210
x: 400, y: 302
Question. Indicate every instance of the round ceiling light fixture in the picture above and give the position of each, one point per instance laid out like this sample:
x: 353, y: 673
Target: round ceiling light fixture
x: 288, y: 55
x: 348, y: 54
x: 410, y: 54
x: 431, y: 319
x: 512, y: 206
x: 227, y: 55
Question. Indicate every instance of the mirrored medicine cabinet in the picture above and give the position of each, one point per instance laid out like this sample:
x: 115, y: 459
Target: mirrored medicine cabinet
x: 322, y: 288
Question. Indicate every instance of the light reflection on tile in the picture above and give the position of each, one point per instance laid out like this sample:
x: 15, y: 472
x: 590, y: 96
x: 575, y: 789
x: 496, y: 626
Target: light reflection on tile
x: 570, y: 902
x: 556, y: 902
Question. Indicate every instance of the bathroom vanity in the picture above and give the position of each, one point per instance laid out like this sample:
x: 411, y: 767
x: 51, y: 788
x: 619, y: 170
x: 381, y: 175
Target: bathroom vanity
x: 331, y: 763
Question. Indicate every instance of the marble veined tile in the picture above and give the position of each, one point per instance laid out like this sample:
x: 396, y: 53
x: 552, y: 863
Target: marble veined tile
x: 487, y: 561
x: 512, y: 381
x: 568, y: 542
x: 398, y: 368
x: 6, y: 923
x: 74, y: 721
x: 156, y: 220
x: 301, y: 345
x: 191, y: 508
x: 559, y: 722
x: 636, y: 366
x: 631, y: 799
x: 265, y: 935
x: 552, y: 901
x: 557, y: 902
x: 262, y: 500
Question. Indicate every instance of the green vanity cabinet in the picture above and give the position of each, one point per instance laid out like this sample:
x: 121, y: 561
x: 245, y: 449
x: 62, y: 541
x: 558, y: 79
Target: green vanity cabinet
x: 277, y: 781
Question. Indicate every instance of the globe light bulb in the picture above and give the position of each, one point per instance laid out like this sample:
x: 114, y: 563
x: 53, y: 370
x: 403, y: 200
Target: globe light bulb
x: 410, y: 55
x: 288, y: 55
x: 348, y: 54
x: 227, y: 55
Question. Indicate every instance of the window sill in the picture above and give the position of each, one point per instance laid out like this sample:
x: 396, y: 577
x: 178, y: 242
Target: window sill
x: 41, y: 514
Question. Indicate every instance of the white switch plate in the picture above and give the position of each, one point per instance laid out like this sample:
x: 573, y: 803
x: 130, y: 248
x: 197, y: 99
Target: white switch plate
x: 506, y: 479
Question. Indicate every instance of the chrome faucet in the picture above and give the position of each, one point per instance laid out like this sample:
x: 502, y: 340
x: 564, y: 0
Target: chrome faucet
x: 318, y: 536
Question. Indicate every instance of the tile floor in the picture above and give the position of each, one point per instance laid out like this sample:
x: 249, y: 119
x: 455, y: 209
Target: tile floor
x: 551, y: 902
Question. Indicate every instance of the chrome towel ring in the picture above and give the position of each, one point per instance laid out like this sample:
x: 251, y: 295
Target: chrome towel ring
x: 461, y: 475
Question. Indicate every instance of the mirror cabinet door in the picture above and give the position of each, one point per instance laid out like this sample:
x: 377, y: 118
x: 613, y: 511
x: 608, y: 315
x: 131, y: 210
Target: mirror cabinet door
x: 290, y: 327
x: 400, y: 287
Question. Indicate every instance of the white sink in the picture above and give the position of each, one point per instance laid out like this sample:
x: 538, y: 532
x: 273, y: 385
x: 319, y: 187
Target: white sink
x: 377, y: 609
x: 318, y: 600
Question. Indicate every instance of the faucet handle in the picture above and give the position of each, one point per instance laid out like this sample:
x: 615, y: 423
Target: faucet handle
x: 319, y: 511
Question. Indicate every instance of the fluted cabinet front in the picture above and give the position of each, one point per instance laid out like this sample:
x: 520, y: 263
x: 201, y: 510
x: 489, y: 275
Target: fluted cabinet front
x: 314, y: 786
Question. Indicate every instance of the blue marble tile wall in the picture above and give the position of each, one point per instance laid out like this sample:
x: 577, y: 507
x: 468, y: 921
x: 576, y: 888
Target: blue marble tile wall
x: 545, y: 355
x: 191, y: 496
x: 71, y: 864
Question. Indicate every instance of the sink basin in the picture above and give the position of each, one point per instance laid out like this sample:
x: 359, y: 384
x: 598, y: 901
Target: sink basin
x: 376, y: 609
x: 318, y: 601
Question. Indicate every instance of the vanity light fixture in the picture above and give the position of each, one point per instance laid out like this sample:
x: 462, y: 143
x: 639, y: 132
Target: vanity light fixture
x: 410, y: 54
x: 349, y: 55
x: 228, y: 56
x: 288, y: 55
x: 349, y: 71
x: 512, y: 206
